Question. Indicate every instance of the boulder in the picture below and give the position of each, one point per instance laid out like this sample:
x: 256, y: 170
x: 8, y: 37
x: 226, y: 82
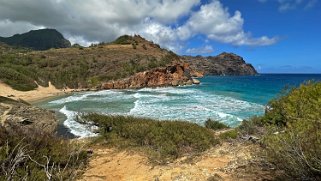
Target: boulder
x: 195, y: 81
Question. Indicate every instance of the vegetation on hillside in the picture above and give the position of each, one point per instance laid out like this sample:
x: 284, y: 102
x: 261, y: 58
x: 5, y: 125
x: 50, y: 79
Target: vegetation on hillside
x: 215, y: 125
x: 78, y: 67
x: 291, y: 131
x: 42, y: 39
x: 163, y: 140
x: 36, y: 155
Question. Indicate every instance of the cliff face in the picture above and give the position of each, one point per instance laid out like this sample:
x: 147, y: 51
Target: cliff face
x: 223, y: 64
x: 174, y: 75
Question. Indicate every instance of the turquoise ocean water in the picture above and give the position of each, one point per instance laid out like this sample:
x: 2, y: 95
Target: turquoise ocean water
x: 228, y: 99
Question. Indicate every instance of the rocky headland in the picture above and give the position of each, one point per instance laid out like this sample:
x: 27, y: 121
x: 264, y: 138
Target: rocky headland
x: 174, y: 75
x: 222, y: 64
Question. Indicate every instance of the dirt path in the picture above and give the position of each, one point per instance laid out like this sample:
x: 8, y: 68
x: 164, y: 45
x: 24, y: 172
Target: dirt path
x: 4, y: 115
x: 219, y: 162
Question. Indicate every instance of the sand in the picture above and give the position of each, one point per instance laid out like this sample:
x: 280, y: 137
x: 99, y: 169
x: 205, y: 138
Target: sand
x: 34, y: 95
x: 223, y: 162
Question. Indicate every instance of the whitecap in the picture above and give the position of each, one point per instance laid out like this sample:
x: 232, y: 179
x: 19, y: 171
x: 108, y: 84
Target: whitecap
x: 75, y: 127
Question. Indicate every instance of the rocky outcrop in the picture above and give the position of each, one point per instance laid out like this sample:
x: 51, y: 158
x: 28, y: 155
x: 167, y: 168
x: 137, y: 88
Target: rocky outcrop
x: 19, y: 114
x: 174, y: 75
x: 222, y: 64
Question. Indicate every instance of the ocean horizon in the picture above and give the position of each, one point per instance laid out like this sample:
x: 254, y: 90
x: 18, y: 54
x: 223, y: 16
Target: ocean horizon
x: 228, y: 99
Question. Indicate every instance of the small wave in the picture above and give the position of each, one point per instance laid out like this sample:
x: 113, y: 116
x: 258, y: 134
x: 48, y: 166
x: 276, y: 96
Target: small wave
x: 76, y: 128
x: 169, y: 90
x: 79, y: 97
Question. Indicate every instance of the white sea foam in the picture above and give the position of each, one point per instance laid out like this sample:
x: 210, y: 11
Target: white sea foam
x: 76, y: 128
x: 82, y: 96
x: 160, y: 103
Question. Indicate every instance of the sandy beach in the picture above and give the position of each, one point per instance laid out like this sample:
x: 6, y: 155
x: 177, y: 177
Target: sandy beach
x: 34, y: 95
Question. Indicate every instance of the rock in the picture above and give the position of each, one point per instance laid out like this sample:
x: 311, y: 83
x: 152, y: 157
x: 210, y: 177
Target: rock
x: 175, y: 83
x: 174, y: 75
x: 250, y: 138
x: 108, y: 85
x: 22, y: 114
x: 195, y: 81
x: 25, y: 121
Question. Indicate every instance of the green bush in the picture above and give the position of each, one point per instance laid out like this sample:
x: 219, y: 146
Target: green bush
x: 215, y: 125
x: 164, y: 139
x: 17, y: 80
x: 293, y: 143
x: 28, y: 154
x: 231, y: 134
x: 299, y: 103
x: 123, y: 40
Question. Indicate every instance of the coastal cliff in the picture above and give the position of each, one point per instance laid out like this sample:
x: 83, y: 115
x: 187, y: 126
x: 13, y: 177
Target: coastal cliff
x: 222, y: 64
x: 173, y: 75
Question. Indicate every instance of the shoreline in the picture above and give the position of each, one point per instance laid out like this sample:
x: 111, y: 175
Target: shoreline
x: 34, y: 96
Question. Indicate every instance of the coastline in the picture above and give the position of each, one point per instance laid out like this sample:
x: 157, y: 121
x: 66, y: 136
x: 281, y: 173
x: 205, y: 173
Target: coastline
x: 33, y: 96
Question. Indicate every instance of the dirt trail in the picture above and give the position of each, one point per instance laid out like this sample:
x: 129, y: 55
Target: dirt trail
x: 4, y: 115
x: 219, y: 162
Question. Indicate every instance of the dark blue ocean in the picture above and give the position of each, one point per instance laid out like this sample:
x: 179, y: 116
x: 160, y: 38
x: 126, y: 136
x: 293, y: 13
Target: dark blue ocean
x: 229, y: 99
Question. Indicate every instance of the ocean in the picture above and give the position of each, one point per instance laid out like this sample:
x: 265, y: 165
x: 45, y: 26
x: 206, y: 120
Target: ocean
x: 228, y: 99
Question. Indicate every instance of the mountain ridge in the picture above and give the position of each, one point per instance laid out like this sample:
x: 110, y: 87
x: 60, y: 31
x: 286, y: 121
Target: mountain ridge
x: 42, y: 39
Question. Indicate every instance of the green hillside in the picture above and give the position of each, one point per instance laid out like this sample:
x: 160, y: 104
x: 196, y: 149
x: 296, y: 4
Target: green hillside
x: 43, y: 39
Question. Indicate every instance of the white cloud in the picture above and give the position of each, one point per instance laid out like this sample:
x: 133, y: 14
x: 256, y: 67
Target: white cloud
x: 215, y: 22
x: 104, y: 20
x: 201, y: 50
x: 286, y: 5
x: 8, y: 28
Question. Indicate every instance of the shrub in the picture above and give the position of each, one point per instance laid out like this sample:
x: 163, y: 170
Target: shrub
x: 16, y: 80
x: 134, y: 45
x: 123, y: 40
x: 293, y: 143
x: 215, y: 125
x: 231, y: 134
x: 297, y: 104
x: 36, y: 155
x: 163, y: 139
x: 252, y: 126
x: 144, y: 47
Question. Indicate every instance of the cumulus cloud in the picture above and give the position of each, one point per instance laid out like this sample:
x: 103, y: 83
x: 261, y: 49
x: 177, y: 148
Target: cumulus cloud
x: 201, y: 50
x: 214, y: 21
x: 167, y: 22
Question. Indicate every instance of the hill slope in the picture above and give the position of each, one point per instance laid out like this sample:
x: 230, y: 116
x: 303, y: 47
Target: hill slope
x: 222, y: 64
x: 80, y: 67
x: 127, y: 62
x: 43, y: 39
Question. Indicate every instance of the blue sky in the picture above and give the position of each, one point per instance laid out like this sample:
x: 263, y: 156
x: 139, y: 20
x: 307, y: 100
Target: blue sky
x: 298, y: 49
x: 276, y: 36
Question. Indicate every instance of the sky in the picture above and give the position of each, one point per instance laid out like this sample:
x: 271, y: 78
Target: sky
x: 275, y: 36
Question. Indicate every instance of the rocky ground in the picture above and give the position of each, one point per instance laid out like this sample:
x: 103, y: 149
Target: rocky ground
x: 19, y: 113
